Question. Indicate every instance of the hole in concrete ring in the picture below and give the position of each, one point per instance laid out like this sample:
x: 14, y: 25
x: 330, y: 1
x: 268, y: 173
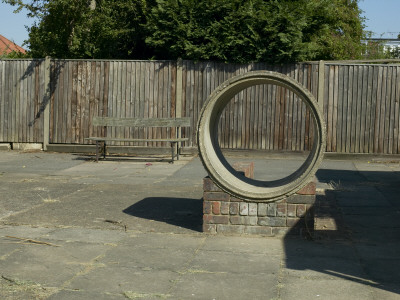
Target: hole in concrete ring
x: 259, y: 88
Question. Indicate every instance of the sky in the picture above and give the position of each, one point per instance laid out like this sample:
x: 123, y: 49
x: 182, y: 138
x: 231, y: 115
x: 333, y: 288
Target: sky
x: 382, y: 19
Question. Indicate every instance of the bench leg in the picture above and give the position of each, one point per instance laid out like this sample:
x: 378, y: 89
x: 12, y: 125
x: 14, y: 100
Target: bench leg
x: 97, y: 151
x: 172, y: 151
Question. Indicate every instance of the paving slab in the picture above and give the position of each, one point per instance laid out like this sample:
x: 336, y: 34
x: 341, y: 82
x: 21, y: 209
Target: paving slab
x: 79, y: 295
x: 303, y: 288
x: 205, y: 285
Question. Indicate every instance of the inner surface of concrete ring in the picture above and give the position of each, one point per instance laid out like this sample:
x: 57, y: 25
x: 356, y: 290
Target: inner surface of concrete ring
x: 222, y: 172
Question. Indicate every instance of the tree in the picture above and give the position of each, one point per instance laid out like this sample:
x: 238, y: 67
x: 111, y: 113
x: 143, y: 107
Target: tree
x: 256, y: 30
x: 394, y: 53
x: 85, y: 29
x: 225, y: 30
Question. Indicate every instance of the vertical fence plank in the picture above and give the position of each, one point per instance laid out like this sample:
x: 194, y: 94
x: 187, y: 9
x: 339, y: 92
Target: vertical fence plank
x: 374, y: 78
x: 367, y: 116
x: 344, y: 103
x: 381, y: 139
x: 363, y: 110
x: 390, y: 111
x: 396, y: 132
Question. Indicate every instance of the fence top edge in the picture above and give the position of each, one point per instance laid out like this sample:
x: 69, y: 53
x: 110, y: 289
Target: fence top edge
x: 361, y: 61
x: 376, y: 62
x: 111, y: 60
x: 364, y: 65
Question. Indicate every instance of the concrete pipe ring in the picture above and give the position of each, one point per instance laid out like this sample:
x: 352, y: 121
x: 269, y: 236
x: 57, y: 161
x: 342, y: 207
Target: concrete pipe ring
x: 222, y: 172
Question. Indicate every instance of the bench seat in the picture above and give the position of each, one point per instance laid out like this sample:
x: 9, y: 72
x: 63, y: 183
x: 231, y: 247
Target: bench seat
x: 140, y: 122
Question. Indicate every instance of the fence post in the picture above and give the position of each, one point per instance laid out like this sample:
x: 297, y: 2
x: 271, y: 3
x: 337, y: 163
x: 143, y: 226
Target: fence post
x: 46, y: 103
x: 321, y: 84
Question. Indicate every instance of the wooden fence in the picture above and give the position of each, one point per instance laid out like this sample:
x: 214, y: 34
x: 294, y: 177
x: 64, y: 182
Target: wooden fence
x: 261, y: 117
x: 84, y: 89
x: 22, y: 90
x: 361, y: 108
x: 360, y: 102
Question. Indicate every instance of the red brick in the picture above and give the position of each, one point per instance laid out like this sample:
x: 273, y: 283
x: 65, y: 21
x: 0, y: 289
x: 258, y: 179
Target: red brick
x: 234, y: 199
x: 207, y: 219
x: 300, y: 210
x: 291, y: 210
x: 281, y: 209
x: 225, y: 208
x: 272, y: 221
x: 210, y: 186
x: 290, y: 222
x: 216, y: 196
x: 206, y: 207
x: 252, y: 209
x: 243, y: 220
x: 210, y: 219
x: 262, y: 209
x: 234, y: 208
x: 236, y: 220
x: 216, y: 207
x: 243, y: 209
x: 309, y: 189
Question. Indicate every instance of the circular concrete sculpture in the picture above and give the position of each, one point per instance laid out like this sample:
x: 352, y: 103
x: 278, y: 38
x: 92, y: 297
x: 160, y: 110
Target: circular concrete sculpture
x: 222, y: 172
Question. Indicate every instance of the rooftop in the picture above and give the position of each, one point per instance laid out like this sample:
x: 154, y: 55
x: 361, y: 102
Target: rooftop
x: 7, y: 46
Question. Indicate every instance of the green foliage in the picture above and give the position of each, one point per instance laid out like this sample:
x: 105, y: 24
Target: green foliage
x: 225, y: 30
x: 374, y: 50
x: 15, y: 55
x: 255, y: 30
x: 394, y: 53
x: 76, y: 29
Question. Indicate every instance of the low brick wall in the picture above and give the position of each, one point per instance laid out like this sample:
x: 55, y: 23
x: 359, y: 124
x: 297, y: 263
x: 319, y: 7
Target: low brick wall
x: 223, y: 213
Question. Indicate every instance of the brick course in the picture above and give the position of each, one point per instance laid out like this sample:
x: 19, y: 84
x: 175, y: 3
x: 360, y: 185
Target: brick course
x: 226, y: 214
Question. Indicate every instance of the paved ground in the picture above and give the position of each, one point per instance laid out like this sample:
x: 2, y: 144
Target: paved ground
x: 130, y: 229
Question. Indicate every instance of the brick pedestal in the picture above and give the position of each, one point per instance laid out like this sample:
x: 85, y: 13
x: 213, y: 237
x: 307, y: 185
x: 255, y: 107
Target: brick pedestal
x: 223, y: 213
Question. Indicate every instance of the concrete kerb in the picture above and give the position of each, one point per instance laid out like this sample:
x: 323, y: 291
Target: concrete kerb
x: 5, y: 146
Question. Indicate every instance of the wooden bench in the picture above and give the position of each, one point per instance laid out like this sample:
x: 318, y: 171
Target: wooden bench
x: 140, y: 122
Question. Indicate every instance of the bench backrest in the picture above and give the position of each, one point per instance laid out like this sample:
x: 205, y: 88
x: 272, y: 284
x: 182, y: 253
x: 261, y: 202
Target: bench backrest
x: 141, y: 122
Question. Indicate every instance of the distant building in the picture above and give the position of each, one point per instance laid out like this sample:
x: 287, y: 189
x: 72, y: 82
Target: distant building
x: 378, y: 47
x: 6, y: 46
x: 387, y: 44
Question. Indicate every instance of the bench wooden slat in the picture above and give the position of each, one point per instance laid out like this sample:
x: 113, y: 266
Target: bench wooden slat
x: 136, y: 140
x: 141, y: 122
